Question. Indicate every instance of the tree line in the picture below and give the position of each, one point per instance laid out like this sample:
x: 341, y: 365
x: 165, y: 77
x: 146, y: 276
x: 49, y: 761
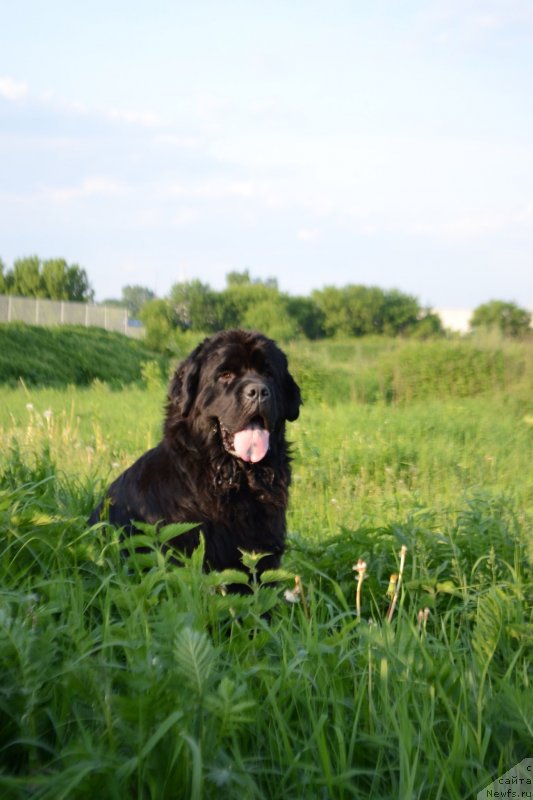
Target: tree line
x: 253, y: 303
x: 349, y: 311
x: 53, y: 279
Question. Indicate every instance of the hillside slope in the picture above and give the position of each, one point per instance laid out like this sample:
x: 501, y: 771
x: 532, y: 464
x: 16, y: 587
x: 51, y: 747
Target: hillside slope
x: 68, y: 355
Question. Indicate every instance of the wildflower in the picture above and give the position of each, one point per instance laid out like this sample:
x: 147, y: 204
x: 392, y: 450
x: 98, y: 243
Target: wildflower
x: 297, y: 594
x: 360, y: 568
x: 29, y: 406
x: 291, y: 596
x: 48, y: 414
x: 391, y: 588
x: 294, y: 595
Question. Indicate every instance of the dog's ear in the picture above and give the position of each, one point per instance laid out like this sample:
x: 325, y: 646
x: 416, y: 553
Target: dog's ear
x: 293, y: 398
x: 184, y: 384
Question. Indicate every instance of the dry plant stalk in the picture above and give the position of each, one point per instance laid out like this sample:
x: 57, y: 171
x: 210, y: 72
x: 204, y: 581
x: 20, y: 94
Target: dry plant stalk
x: 360, y: 568
x: 396, y: 593
x: 298, y: 585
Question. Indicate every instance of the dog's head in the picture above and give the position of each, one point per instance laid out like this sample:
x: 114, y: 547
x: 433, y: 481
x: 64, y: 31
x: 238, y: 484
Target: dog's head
x: 236, y: 384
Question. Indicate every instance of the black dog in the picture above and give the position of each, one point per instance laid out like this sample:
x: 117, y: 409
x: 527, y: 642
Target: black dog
x: 223, y: 460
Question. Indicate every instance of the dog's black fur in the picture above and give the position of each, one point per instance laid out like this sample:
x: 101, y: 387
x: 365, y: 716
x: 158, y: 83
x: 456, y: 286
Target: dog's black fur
x: 231, y: 379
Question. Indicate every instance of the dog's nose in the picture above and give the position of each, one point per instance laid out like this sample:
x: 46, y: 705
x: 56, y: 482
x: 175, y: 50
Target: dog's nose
x: 257, y: 391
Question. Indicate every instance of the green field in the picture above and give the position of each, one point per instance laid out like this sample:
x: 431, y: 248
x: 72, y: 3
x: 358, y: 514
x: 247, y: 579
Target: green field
x: 131, y: 678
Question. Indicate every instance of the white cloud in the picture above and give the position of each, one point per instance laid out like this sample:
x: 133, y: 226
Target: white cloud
x: 173, y: 140
x: 461, y: 227
x: 147, y: 119
x: 526, y: 216
x: 11, y: 89
x: 221, y: 189
x: 455, y: 21
x: 88, y: 188
x: 185, y: 217
x: 308, y: 234
x: 50, y: 98
x: 469, y: 226
x: 144, y: 118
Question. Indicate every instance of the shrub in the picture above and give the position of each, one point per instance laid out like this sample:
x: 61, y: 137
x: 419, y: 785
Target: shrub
x: 509, y: 318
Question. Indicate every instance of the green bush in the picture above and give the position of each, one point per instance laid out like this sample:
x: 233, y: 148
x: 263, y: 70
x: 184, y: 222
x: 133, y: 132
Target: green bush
x: 439, y: 368
x: 384, y: 370
x: 508, y: 318
x: 160, y: 322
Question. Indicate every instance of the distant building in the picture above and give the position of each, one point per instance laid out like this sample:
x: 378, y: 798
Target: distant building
x: 456, y: 319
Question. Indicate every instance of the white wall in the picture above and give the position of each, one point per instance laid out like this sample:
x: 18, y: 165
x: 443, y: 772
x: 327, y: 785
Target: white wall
x: 457, y: 319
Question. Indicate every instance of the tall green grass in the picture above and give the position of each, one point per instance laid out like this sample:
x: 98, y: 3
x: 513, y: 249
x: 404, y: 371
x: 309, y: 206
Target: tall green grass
x: 363, y: 370
x: 142, y: 680
x: 123, y: 676
x: 374, y: 463
x: 69, y: 354
x: 373, y: 370
x: 359, y: 463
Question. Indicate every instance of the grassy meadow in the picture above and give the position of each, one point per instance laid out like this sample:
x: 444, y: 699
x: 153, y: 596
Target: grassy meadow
x: 126, y: 677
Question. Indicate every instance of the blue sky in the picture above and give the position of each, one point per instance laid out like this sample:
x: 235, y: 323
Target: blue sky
x: 322, y: 143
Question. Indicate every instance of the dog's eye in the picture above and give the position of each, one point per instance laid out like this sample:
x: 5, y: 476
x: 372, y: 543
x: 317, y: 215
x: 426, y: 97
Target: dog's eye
x: 226, y: 376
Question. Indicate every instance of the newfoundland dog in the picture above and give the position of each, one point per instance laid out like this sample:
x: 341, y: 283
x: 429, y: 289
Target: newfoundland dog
x: 223, y: 460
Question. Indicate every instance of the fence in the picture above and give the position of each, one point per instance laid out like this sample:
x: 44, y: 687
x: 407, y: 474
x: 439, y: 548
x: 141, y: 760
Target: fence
x: 37, y: 311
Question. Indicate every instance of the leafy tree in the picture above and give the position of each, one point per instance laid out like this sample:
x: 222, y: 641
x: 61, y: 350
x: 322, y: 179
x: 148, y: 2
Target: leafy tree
x: 400, y: 313
x: 307, y: 315
x: 428, y: 326
x: 27, y: 278
x: 367, y: 309
x: 53, y: 279
x: 134, y: 298
x: 54, y: 276
x: 64, y: 282
x: 333, y: 306
x: 78, y: 286
x: 509, y: 318
x: 361, y: 310
x: 197, y: 306
x: 238, y: 278
x: 352, y: 310
x: 271, y: 316
x: 257, y: 303
x: 238, y: 299
x: 3, y: 282
x: 243, y: 279
x: 160, y: 321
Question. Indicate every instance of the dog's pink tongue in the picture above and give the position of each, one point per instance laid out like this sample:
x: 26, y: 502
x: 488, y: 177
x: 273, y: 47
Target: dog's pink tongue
x: 251, y: 444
